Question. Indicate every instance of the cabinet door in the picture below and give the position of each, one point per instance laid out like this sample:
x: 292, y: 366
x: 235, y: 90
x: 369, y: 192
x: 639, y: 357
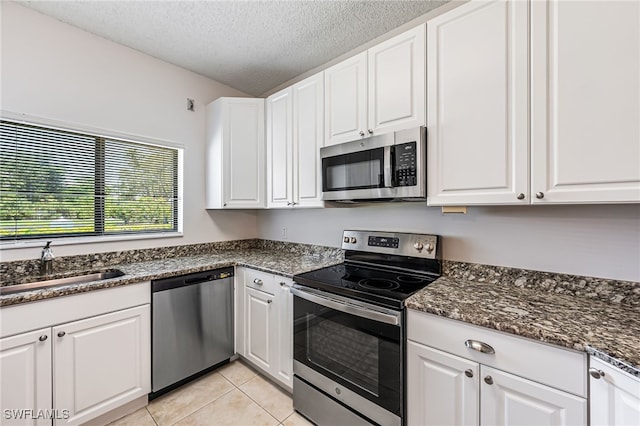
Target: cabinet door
x: 615, y: 397
x: 346, y: 100
x: 308, y: 136
x: 279, y: 149
x: 283, y: 336
x: 101, y: 363
x: 585, y: 101
x: 512, y: 400
x: 25, y: 363
x: 478, y: 104
x: 244, y: 165
x: 397, y: 82
x: 442, y: 389
x: 258, y: 325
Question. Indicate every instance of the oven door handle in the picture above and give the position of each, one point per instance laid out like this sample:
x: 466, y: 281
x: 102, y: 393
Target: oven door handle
x: 348, y: 306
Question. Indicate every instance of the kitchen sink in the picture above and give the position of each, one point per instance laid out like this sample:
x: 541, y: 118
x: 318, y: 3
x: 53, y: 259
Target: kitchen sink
x: 83, y: 277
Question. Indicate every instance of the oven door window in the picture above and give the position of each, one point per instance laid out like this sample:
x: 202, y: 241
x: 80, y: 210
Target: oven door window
x: 357, y: 170
x: 361, y: 354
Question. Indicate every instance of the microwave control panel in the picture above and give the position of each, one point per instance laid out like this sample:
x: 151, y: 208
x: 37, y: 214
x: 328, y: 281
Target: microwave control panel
x: 405, y: 160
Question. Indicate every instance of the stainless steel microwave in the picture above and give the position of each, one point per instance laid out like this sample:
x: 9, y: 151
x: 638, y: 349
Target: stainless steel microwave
x: 385, y: 167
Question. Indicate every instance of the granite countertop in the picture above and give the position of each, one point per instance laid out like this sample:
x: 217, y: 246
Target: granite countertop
x: 553, y: 315
x: 280, y: 262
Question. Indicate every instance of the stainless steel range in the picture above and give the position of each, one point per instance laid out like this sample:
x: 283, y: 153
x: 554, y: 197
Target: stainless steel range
x: 349, y: 328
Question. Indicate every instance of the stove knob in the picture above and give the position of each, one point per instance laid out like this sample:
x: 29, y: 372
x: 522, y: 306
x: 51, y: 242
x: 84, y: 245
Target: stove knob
x: 418, y: 246
x: 346, y: 239
x: 429, y: 248
x: 353, y: 240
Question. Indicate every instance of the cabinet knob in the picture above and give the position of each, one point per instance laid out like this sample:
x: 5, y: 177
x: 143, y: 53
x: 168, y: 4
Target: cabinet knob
x: 595, y: 373
x: 269, y: 301
x: 361, y: 132
x: 479, y: 346
x: 468, y: 373
x: 521, y: 196
x: 257, y: 281
x: 289, y: 203
x: 539, y: 195
x: 61, y: 334
x: 370, y: 131
x: 488, y: 380
x: 224, y: 204
x: 43, y: 337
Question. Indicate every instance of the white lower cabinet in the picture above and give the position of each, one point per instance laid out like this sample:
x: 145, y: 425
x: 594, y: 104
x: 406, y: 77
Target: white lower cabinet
x: 615, y: 396
x: 259, y: 322
x: 267, y: 324
x: 75, y: 370
x: 506, y: 399
x: 444, y: 388
x: 101, y: 363
x: 25, y: 364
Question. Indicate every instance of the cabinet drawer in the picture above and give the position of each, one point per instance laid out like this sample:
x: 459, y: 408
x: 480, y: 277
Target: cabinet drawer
x: 553, y: 366
x: 259, y: 280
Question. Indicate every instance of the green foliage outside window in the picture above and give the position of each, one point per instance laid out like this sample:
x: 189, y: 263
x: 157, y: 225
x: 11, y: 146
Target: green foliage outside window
x: 60, y: 183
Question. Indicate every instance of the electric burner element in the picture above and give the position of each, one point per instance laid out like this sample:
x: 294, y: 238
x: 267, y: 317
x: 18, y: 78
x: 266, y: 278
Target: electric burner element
x: 378, y: 284
x: 410, y: 279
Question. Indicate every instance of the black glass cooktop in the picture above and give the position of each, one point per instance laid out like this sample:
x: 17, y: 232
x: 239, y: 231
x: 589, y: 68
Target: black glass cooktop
x: 381, y: 287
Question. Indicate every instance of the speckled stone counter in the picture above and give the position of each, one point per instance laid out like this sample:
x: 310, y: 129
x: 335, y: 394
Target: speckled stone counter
x: 284, y: 259
x: 601, y: 317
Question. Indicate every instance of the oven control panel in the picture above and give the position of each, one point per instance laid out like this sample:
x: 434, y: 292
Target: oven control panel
x: 390, y: 242
x: 398, y: 243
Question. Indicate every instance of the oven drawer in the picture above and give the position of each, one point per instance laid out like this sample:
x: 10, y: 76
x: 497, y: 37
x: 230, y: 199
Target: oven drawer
x: 259, y: 280
x: 553, y: 366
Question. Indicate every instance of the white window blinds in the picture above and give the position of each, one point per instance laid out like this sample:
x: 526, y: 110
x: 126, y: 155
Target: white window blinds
x: 56, y: 183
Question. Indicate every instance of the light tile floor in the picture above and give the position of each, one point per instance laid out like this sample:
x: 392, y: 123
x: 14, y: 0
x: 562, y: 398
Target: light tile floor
x: 231, y: 395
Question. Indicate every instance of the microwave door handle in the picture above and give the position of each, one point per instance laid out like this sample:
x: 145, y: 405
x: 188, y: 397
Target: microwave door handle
x: 387, y: 167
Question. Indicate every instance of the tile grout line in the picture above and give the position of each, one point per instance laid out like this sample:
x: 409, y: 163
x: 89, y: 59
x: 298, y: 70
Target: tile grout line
x: 258, y: 404
x: 200, y: 408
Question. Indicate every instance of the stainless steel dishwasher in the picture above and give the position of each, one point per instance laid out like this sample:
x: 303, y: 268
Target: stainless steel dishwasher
x: 192, y: 326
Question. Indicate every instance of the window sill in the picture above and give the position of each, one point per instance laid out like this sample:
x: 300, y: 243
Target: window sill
x: 67, y: 241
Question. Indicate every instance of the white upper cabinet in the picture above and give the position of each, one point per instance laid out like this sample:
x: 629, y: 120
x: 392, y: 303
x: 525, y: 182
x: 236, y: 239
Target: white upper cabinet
x: 308, y: 138
x: 294, y: 137
x: 280, y: 149
x: 477, y: 114
x: 345, y: 99
x: 397, y: 82
x: 585, y: 87
x: 534, y: 102
x: 377, y: 91
x: 235, y: 160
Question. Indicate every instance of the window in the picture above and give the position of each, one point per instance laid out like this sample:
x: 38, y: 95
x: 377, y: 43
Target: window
x: 56, y: 183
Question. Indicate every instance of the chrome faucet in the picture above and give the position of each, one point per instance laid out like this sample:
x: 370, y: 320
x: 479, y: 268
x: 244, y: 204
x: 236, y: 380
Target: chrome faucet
x: 46, y: 260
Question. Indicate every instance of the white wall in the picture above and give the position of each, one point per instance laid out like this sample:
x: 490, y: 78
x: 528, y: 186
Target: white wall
x: 57, y: 72
x: 601, y: 241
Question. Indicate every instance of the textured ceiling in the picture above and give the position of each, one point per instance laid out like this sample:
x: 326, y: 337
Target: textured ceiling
x: 252, y: 46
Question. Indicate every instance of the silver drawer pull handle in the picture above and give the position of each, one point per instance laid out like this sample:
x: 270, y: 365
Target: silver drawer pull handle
x: 595, y: 373
x: 257, y: 281
x: 43, y: 337
x: 488, y: 380
x: 61, y: 334
x: 479, y: 346
x: 469, y: 372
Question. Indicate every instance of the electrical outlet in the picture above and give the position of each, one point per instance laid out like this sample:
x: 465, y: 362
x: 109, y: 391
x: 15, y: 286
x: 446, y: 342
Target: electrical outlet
x: 284, y: 233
